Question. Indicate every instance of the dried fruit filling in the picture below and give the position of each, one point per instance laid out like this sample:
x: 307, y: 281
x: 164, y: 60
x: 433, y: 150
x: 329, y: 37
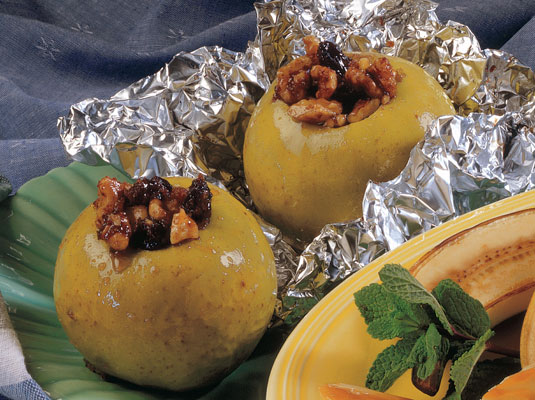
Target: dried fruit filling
x: 151, y: 213
x: 327, y: 87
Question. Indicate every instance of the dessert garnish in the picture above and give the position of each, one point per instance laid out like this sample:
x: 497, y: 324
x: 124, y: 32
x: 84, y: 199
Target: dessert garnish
x: 329, y: 88
x: 151, y: 213
x: 433, y: 327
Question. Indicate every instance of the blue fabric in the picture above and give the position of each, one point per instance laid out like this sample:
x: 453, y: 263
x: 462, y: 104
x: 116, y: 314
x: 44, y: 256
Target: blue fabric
x: 28, y: 389
x: 57, y: 52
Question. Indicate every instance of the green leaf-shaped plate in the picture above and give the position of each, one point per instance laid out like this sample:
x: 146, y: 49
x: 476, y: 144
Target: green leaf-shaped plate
x: 32, y: 225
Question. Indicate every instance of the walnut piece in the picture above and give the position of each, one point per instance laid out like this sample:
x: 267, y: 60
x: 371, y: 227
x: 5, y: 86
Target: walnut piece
x: 326, y: 79
x: 336, y: 121
x: 293, y: 80
x: 363, y: 109
x: 361, y: 81
x: 110, y: 199
x: 382, y: 72
x: 116, y: 231
x: 315, y: 111
x: 136, y: 214
x: 156, y: 210
x: 311, y: 47
x: 183, y: 228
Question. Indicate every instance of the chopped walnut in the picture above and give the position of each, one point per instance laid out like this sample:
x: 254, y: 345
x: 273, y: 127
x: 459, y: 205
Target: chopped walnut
x: 311, y: 47
x: 141, y: 214
x: 382, y: 72
x: 157, y: 211
x: 359, y: 83
x: 183, y: 228
x: 315, y: 111
x: 336, y: 121
x: 135, y: 215
x: 363, y: 109
x: 364, y: 63
x: 110, y: 199
x: 116, y: 230
x: 175, y: 201
x: 326, y: 79
x: 293, y: 80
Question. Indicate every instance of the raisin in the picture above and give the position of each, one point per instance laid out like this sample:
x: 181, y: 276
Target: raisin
x: 198, y: 202
x: 144, y: 190
x: 151, y: 235
x: 330, y: 56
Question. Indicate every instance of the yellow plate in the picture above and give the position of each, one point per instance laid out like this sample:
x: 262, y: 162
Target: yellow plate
x: 331, y: 345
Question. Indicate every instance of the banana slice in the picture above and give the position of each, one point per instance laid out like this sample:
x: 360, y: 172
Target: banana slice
x: 527, y: 337
x: 494, y: 262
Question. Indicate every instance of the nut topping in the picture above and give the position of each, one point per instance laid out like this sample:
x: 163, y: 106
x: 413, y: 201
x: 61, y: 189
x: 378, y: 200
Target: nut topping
x: 324, y: 85
x: 183, y: 228
x: 315, y: 111
x: 363, y: 109
x: 363, y: 82
x: 150, y: 214
x: 311, y: 48
x: 326, y: 79
x: 293, y: 80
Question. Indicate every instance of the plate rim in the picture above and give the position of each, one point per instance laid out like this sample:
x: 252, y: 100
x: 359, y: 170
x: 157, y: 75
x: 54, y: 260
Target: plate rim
x: 279, y: 374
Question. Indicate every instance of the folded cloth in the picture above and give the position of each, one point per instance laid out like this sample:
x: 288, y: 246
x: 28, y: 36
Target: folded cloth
x: 15, y: 382
x: 55, y: 54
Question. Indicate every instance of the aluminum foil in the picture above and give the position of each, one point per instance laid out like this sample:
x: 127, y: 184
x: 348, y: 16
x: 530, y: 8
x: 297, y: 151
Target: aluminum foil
x: 190, y: 117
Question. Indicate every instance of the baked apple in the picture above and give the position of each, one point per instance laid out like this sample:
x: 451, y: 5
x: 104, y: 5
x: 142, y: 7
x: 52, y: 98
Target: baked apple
x: 330, y: 123
x: 165, y: 286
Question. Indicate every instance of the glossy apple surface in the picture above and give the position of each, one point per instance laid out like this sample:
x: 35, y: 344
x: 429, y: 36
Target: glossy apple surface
x: 302, y: 176
x: 176, y: 318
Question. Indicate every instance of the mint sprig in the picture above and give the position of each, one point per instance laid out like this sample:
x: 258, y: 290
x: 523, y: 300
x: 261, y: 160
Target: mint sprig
x: 399, y: 281
x: 466, y: 314
x: 428, y: 350
x: 389, y: 365
x: 388, y: 316
x: 462, y: 368
x: 434, y: 327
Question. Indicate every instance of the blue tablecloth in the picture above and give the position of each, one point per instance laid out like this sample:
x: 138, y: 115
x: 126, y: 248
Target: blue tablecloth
x: 56, y: 53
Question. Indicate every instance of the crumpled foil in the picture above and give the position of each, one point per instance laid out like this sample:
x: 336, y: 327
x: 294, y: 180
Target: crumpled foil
x: 190, y: 118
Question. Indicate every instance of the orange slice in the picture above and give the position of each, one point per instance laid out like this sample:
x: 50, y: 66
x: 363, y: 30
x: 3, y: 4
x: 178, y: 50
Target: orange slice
x: 349, y: 392
x: 519, y: 386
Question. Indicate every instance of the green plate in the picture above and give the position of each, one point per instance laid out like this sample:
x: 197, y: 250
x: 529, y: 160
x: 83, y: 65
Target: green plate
x: 32, y: 224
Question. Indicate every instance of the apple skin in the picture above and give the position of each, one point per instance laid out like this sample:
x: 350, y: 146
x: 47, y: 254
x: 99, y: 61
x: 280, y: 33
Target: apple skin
x: 302, y: 176
x: 176, y: 318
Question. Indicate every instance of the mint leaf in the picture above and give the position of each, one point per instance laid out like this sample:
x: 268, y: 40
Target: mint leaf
x: 389, y: 365
x: 398, y: 280
x: 466, y: 314
x: 387, y: 315
x: 459, y: 347
x: 487, y: 374
x: 462, y: 368
x: 427, y: 351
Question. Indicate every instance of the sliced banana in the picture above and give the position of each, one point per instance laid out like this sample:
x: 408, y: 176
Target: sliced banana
x: 494, y: 262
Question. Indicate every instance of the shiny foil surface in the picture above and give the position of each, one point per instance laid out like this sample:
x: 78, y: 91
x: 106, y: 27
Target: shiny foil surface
x: 190, y: 117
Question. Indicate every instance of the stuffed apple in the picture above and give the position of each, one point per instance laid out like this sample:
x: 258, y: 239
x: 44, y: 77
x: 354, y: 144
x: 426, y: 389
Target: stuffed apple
x: 330, y: 123
x: 162, y: 285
